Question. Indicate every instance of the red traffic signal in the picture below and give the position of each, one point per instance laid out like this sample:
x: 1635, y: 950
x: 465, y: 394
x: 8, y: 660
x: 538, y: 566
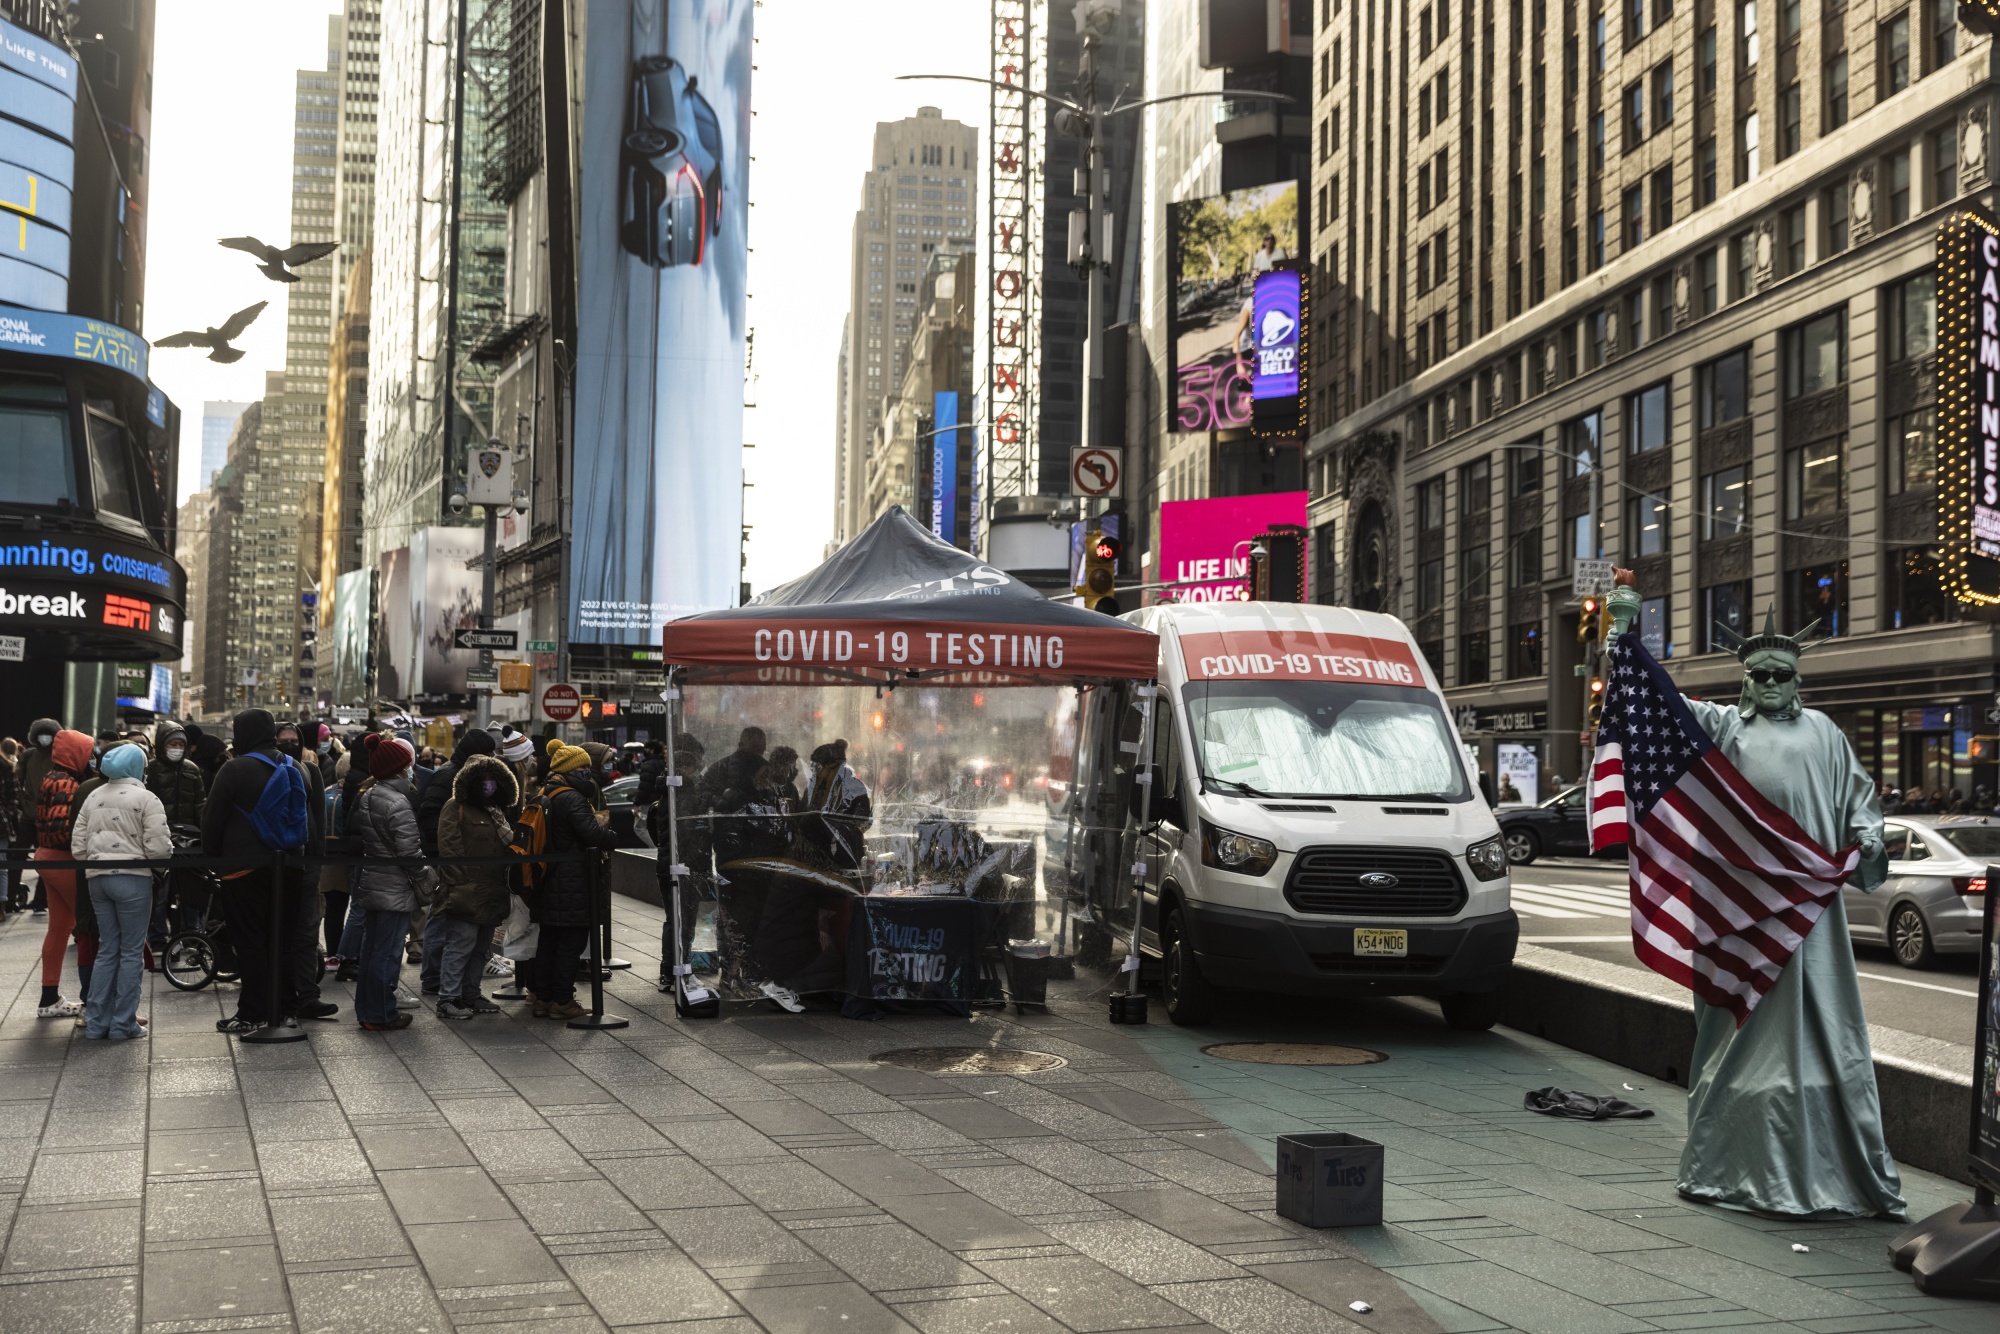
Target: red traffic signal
x: 1106, y: 547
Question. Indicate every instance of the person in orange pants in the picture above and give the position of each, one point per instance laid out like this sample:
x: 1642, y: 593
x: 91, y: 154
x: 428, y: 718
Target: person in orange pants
x: 55, y: 817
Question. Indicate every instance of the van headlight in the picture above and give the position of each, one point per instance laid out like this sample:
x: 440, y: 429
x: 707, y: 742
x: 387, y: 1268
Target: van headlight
x: 1488, y: 859
x: 1238, y: 853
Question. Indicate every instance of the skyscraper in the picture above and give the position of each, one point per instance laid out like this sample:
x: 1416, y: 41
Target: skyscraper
x: 920, y: 191
x: 218, y: 419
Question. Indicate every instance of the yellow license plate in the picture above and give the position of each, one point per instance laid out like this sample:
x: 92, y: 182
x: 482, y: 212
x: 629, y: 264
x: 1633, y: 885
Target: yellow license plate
x: 1380, y: 943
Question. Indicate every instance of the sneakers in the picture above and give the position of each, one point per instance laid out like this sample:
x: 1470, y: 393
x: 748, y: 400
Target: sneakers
x: 563, y: 1010
x: 451, y: 1009
x: 783, y: 997
x: 318, y: 1010
x: 478, y: 1005
x: 405, y: 1001
x: 540, y: 1009
x: 401, y: 1021
x: 62, y: 1009
x: 236, y: 1023
x: 499, y: 966
x: 333, y: 961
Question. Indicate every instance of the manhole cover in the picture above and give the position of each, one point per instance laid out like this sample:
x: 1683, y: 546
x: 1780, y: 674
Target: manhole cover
x: 1293, y: 1053
x: 970, y: 1060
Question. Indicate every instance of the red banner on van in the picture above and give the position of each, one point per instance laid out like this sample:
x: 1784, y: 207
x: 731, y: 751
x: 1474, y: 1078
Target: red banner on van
x: 1299, y: 655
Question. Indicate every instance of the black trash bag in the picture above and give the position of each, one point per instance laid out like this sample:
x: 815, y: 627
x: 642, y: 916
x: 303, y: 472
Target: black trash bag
x: 1574, y: 1106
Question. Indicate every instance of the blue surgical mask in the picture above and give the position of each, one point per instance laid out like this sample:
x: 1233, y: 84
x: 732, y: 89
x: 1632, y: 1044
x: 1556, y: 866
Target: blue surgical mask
x: 326, y: 748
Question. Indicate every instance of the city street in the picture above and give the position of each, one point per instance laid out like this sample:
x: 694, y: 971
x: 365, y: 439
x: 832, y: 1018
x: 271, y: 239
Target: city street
x: 766, y: 1173
x: 1578, y: 906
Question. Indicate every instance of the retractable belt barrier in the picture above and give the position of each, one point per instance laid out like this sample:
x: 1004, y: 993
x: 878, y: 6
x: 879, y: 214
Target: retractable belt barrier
x: 279, y: 862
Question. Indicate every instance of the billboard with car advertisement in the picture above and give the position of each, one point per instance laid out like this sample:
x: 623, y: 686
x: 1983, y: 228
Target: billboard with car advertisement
x: 662, y: 265
x: 1205, y: 544
x: 1217, y: 248
x: 353, y: 599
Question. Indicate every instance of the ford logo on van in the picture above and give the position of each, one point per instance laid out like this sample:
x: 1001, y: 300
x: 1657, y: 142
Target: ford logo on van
x: 1380, y: 880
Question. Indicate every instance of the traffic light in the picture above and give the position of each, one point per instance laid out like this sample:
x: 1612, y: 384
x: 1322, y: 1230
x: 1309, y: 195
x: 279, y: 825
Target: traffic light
x: 1098, y: 589
x: 1596, y: 709
x: 1587, y: 620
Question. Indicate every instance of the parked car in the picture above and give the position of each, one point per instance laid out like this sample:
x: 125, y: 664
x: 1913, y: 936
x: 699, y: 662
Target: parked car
x: 1933, y: 900
x: 1559, y: 827
x: 618, y: 796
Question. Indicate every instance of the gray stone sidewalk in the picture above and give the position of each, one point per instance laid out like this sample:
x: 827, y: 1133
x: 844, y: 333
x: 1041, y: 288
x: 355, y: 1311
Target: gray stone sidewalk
x: 758, y: 1173
x: 762, y: 1173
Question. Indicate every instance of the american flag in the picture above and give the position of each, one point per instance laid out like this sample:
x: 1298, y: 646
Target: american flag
x: 1725, y: 885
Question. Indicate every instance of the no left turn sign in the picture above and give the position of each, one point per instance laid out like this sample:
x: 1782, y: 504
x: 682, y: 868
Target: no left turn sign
x: 1097, y: 473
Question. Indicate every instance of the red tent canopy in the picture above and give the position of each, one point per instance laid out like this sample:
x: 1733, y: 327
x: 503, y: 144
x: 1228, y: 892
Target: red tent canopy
x: 897, y: 604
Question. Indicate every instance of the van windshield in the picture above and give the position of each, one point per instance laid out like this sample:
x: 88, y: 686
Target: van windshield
x: 1323, y: 739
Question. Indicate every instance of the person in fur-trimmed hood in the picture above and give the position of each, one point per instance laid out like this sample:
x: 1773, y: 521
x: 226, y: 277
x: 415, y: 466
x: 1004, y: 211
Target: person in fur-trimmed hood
x: 472, y: 823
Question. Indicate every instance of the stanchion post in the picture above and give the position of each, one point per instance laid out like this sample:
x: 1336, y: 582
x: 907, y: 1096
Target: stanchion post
x: 600, y: 939
x: 274, y: 1029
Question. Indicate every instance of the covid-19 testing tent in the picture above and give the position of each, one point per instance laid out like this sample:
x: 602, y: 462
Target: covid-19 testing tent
x: 876, y: 768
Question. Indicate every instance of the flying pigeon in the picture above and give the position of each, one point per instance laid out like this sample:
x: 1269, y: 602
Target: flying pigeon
x: 276, y: 260
x: 214, y: 339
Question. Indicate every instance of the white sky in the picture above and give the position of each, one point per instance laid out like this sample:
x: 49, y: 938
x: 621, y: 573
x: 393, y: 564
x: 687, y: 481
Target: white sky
x: 221, y: 164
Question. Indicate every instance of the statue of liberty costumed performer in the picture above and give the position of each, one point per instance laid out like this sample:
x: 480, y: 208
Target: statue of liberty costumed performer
x: 1783, y: 1113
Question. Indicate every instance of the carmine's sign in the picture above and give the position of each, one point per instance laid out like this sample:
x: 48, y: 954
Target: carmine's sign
x: 1968, y: 413
x: 1298, y: 655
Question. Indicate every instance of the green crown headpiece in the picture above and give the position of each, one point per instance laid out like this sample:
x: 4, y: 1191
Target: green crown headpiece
x: 1745, y: 645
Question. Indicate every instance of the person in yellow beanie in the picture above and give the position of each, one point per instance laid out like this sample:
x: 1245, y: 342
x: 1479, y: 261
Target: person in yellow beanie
x: 566, y: 911
x: 565, y: 759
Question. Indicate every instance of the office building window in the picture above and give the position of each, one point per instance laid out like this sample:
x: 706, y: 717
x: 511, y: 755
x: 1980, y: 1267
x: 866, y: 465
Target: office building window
x: 1746, y: 37
x: 1913, y: 451
x: 1896, y: 186
x: 1430, y: 585
x: 1833, y: 219
x: 1597, y: 42
x: 1892, y: 44
x: 1647, y: 425
x: 1475, y: 571
x: 1944, y: 32
x: 1789, y: 127
x: 1708, y: 281
x: 1749, y: 148
x: 1524, y: 650
x: 1475, y: 481
x: 1816, y: 354
x: 1635, y: 116
x: 1582, y: 439
x: 1646, y: 526
x: 1816, y: 479
x: 1944, y: 166
x: 1597, y: 240
x: 1524, y: 559
x: 1635, y: 321
x: 1635, y: 20
x: 1835, y: 82
x: 1430, y: 504
x: 1792, y: 227
x: 1704, y: 59
x: 1663, y: 305
x: 1917, y: 592
x: 1474, y: 667
x: 1663, y: 97
x: 1726, y: 606
x: 1913, y: 317
x: 1704, y: 171
x: 1725, y: 503
x: 1525, y: 462
x: 1743, y: 258
x: 1662, y: 187
x: 1597, y: 142
x: 1597, y: 335
x: 1653, y: 627
x: 1818, y: 593
x: 1722, y: 389
x: 1790, y: 13
x: 1582, y: 541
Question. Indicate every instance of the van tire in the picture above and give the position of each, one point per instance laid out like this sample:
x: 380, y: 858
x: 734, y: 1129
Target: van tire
x: 1470, y: 1011
x: 1189, y: 997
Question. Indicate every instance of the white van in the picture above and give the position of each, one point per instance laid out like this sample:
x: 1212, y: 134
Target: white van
x: 1314, y: 827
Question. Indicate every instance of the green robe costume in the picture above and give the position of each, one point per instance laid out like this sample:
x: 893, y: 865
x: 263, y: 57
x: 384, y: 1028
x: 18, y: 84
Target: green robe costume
x: 1783, y: 1114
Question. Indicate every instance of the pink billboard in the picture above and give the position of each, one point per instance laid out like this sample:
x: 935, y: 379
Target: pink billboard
x: 1205, y: 544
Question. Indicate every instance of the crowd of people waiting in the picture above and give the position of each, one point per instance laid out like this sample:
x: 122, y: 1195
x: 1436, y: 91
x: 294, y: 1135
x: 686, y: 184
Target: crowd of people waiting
x: 402, y: 883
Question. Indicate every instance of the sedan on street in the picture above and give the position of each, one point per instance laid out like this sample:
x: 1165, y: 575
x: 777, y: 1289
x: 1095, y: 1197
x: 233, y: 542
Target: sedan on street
x: 1933, y: 900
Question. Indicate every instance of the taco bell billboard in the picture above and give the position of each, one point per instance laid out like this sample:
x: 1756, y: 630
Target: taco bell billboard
x: 662, y: 265
x: 1274, y: 324
x: 1205, y: 544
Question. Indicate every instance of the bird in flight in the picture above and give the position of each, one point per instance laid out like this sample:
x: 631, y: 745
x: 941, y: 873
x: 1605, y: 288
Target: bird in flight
x: 278, y: 263
x: 214, y: 339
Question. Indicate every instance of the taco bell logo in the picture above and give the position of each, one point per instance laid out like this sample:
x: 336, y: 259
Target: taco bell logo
x: 1275, y: 320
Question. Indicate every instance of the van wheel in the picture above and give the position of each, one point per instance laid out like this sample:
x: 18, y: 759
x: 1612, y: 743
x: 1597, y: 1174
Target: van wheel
x: 1190, y: 998
x: 1471, y: 1011
x: 1522, y: 846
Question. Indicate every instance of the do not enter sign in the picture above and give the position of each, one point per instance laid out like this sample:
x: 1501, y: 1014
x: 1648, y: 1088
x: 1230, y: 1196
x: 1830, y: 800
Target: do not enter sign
x: 560, y: 703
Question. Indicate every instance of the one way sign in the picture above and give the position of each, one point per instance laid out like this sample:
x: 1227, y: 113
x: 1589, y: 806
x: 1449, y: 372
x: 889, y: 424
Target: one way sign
x: 469, y: 637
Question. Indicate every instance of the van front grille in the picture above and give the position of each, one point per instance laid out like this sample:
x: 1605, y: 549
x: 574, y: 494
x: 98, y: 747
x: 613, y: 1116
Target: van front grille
x: 1329, y: 880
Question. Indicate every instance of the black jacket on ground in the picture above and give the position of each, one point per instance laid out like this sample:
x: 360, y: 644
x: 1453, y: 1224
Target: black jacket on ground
x: 565, y: 896
x: 226, y: 830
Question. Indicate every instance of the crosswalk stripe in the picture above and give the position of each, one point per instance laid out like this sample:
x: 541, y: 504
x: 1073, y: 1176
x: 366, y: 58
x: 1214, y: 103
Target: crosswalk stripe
x: 1540, y: 910
x: 1566, y: 907
x: 1572, y: 896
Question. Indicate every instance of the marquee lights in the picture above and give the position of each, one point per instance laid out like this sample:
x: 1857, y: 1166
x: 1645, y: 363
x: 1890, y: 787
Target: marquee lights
x: 1968, y: 411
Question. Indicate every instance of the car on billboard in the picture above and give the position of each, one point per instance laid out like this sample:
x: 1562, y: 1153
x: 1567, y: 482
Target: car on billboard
x: 672, y: 166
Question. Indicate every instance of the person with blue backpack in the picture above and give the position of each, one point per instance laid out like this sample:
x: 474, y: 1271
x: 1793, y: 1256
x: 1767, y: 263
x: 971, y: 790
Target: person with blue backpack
x: 260, y: 804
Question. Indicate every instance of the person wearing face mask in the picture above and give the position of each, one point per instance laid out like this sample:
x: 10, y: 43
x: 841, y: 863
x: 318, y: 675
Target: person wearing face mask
x: 177, y: 781
x: 55, y: 822
x: 475, y: 899
x: 35, y: 766
x: 326, y: 752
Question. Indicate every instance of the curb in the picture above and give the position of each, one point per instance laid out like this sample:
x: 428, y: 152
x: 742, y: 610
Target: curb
x: 1584, y: 1005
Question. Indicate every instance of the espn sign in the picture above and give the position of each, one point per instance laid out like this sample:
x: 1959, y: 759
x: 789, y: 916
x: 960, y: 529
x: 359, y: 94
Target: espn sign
x: 63, y: 605
x: 130, y: 613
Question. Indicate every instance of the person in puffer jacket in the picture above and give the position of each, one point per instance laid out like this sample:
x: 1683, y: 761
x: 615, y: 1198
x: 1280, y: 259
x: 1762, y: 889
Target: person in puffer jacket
x: 385, y: 816
x: 475, y: 899
x: 120, y: 819
x: 55, y: 821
